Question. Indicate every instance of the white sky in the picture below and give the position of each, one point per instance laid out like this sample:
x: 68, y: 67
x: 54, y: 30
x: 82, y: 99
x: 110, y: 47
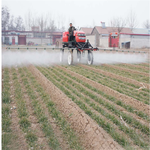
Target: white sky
x: 81, y: 13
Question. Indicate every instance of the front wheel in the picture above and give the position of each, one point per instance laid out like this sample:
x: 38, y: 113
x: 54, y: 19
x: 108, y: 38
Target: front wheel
x: 70, y: 58
x: 90, y: 58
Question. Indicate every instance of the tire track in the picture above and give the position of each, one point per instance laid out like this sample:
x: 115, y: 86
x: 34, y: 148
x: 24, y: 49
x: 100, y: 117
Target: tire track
x: 131, y: 101
x: 93, y: 136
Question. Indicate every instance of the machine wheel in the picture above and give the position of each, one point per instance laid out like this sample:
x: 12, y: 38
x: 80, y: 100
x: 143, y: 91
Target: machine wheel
x: 61, y: 55
x: 78, y: 56
x: 90, y: 58
x: 70, y: 57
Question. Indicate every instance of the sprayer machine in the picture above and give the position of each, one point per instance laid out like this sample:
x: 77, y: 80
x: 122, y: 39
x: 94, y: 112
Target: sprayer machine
x: 78, y: 43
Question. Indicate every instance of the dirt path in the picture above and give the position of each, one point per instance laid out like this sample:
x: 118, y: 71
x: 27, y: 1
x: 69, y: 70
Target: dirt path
x: 127, y: 70
x: 20, y: 142
x: 128, y: 100
x: 92, y: 136
x: 112, y: 75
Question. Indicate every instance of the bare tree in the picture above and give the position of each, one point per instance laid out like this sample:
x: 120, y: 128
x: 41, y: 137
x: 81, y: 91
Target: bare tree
x: 11, y: 25
x: 42, y: 23
x: 146, y: 24
x: 28, y: 21
x: 19, y: 23
x: 132, y: 20
x: 5, y: 17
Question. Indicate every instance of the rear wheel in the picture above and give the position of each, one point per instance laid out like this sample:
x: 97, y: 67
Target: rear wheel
x: 61, y: 55
x: 90, y: 58
x: 70, y: 57
x: 78, y: 56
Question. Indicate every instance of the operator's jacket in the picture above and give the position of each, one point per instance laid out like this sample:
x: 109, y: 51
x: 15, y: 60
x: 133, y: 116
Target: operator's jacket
x: 70, y: 30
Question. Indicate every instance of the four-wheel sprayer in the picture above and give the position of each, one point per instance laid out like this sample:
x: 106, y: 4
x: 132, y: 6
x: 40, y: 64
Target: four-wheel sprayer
x: 78, y: 43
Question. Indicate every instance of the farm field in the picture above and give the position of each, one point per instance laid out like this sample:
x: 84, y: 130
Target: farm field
x: 78, y: 107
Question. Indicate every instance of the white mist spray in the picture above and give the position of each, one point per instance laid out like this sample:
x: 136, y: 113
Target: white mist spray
x: 19, y: 58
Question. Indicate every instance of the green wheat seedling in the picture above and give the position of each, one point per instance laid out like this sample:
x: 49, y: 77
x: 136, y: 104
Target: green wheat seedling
x: 115, y: 121
x: 65, y: 127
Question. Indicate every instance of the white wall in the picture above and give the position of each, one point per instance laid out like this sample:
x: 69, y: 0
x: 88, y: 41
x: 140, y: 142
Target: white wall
x: 140, y: 41
x: 91, y: 39
x: 104, y: 41
x: 38, y: 40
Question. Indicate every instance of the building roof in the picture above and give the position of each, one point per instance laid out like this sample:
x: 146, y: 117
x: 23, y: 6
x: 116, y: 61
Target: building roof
x: 108, y: 30
x: 86, y: 30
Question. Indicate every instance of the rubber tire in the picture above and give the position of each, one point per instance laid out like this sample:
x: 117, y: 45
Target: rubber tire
x: 90, y: 58
x: 78, y: 56
x: 61, y: 55
x: 70, y: 57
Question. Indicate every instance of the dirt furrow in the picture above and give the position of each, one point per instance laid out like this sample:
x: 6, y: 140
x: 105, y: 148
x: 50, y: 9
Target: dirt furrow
x: 20, y: 142
x: 127, y: 70
x: 93, y: 136
x: 112, y: 75
x: 35, y: 126
x: 126, y: 99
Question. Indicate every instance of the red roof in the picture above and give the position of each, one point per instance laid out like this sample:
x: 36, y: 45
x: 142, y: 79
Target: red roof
x: 87, y: 31
x: 108, y: 30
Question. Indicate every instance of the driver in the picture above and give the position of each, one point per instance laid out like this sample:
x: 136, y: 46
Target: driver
x: 71, y: 30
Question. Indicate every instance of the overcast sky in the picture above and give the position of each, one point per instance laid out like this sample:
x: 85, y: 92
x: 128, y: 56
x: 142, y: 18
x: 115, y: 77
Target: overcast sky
x: 81, y: 13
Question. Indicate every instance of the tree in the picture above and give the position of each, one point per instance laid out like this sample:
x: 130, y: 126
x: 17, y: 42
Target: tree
x: 146, y: 24
x: 132, y: 21
x: 5, y: 17
x: 19, y: 23
x: 28, y: 21
x: 11, y: 25
x: 119, y: 24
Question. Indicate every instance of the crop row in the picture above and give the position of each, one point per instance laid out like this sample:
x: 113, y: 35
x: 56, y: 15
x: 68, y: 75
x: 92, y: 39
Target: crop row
x: 114, y: 84
x: 137, y: 77
x: 120, y: 140
x: 89, y: 93
x: 133, y: 67
x: 22, y: 110
x: 120, y: 79
x: 144, y: 64
x: 43, y: 120
x: 6, y: 119
x: 111, y: 98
